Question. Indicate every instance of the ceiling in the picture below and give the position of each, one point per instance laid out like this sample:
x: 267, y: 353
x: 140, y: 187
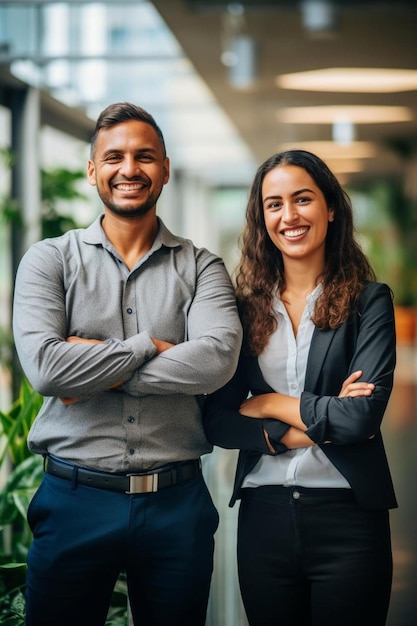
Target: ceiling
x: 371, y: 34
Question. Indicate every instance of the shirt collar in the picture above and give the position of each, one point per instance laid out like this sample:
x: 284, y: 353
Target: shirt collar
x: 95, y: 235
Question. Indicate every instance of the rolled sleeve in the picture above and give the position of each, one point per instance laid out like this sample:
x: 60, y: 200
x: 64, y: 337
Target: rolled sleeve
x: 353, y: 419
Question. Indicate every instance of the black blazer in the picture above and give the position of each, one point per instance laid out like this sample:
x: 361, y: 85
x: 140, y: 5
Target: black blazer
x: 366, y: 342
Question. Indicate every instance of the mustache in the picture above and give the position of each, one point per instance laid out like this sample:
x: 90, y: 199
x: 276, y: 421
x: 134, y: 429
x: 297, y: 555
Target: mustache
x: 132, y: 179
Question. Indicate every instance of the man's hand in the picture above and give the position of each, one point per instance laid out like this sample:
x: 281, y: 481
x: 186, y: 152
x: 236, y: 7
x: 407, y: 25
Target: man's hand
x: 75, y: 339
x: 161, y: 346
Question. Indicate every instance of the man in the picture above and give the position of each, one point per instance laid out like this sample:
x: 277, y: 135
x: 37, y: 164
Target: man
x: 123, y: 327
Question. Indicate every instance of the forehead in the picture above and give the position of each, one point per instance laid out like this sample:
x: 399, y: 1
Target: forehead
x: 288, y: 177
x: 126, y: 136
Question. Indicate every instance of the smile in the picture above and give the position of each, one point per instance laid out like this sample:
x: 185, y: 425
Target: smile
x: 297, y: 232
x: 129, y: 186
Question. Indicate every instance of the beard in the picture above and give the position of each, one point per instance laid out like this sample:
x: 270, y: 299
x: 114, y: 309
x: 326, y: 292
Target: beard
x: 132, y: 211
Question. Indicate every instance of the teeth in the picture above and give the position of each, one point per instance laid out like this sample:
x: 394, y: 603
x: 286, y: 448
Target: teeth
x: 295, y: 233
x: 129, y: 187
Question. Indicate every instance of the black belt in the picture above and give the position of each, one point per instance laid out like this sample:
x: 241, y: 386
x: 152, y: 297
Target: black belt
x: 166, y: 476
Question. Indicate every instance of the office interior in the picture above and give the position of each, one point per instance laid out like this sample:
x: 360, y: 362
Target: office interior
x: 229, y: 83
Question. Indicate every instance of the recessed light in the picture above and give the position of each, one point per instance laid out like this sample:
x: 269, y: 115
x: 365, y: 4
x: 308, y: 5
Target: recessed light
x: 357, y: 114
x: 332, y: 150
x: 345, y: 166
x: 351, y: 80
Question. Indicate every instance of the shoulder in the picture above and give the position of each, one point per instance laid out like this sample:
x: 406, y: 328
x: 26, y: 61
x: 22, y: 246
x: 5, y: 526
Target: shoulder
x: 53, y: 252
x: 374, y: 291
x: 187, y: 248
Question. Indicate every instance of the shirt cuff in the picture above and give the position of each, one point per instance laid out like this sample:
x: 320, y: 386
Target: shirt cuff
x: 142, y: 347
x: 276, y: 430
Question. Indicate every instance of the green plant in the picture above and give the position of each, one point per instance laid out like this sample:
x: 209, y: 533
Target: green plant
x: 58, y: 184
x: 390, y: 228
x: 12, y: 602
x: 24, y: 475
x: 16, y: 423
x: 403, y: 212
x: 23, y: 472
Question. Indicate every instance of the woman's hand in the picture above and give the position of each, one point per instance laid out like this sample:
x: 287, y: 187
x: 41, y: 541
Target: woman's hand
x: 257, y: 406
x: 295, y: 438
x: 352, y: 389
x: 276, y: 406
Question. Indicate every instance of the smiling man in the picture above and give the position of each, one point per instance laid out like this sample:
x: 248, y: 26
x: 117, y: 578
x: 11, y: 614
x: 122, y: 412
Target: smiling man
x: 124, y: 328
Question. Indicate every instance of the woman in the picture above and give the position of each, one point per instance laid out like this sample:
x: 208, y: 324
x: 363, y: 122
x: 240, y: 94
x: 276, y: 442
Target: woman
x: 306, y: 404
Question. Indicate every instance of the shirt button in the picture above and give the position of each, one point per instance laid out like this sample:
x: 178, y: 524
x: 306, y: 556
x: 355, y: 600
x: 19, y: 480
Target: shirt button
x: 131, y: 419
x: 294, y: 386
x: 129, y: 310
x: 131, y: 451
x: 296, y: 495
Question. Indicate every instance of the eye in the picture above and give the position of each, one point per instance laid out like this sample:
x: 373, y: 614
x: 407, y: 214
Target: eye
x: 145, y: 158
x: 273, y: 205
x: 112, y: 158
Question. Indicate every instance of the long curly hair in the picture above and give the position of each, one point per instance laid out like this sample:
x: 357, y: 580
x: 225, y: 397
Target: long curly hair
x: 260, y: 272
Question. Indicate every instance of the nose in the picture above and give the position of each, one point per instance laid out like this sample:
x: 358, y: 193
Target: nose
x: 289, y: 212
x: 129, y: 167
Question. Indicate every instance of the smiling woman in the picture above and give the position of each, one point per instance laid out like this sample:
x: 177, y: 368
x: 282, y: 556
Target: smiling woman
x: 305, y: 406
x: 297, y: 219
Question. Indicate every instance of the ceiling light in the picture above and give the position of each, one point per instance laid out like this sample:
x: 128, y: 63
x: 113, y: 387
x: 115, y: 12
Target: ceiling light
x: 351, y: 80
x: 242, y: 72
x: 357, y: 114
x: 345, y: 166
x: 239, y: 49
x: 343, y: 131
x: 319, y: 16
x: 331, y: 150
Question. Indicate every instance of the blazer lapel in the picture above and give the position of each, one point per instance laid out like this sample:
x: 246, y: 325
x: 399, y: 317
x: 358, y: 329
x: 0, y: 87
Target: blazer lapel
x: 319, y: 347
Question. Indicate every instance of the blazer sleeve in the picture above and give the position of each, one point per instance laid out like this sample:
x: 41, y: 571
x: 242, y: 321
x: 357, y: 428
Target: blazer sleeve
x: 366, y: 342
x: 227, y: 428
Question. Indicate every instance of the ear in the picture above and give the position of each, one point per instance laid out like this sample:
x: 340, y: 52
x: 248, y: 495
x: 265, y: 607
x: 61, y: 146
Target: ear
x: 331, y: 215
x: 91, y: 173
x: 166, y: 170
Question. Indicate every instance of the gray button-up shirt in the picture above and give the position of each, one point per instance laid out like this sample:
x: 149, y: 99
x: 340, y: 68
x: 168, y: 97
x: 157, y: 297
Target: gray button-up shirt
x: 78, y: 284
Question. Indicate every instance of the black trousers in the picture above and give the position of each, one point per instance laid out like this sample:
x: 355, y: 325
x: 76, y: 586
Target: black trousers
x: 312, y: 557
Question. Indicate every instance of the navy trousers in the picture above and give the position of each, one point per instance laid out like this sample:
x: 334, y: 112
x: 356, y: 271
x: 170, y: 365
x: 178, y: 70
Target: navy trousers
x: 84, y: 537
x: 312, y: 557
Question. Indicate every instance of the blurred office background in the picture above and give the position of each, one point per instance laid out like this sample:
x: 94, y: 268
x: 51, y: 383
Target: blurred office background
x: 230, y: 83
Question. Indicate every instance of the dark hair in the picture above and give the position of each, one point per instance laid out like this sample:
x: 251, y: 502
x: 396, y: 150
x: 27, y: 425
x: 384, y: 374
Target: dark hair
x: 124, y: 112
x: 261, y: 270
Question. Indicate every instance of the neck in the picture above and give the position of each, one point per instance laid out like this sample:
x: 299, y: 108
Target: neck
x: 131, y: 237
x: 300, y: 278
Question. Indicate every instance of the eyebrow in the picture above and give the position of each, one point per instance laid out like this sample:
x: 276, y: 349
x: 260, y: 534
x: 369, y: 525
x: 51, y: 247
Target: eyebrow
x: 143, y: 150
x: 295, y: 193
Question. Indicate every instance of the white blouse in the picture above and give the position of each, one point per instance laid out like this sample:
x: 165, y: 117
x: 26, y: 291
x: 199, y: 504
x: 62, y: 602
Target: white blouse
x: 283, y: 364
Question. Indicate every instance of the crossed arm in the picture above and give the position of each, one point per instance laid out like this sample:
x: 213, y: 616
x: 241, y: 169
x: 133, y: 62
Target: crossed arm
x: 287, y: 410
x: 160, y: 345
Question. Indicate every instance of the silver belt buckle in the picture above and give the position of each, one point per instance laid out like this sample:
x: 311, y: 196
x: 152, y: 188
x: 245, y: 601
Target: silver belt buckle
x: 145, y: 483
